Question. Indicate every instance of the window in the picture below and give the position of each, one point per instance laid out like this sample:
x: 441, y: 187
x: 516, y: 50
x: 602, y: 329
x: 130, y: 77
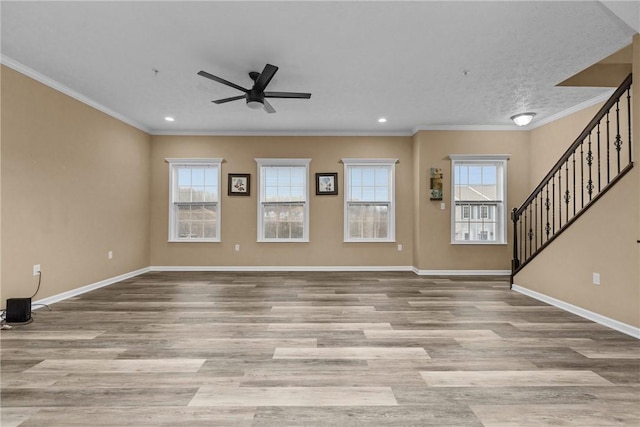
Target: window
x: 283, y: 201
x: 194, y: 201
x: 479, y: 196
x: 369, y: 211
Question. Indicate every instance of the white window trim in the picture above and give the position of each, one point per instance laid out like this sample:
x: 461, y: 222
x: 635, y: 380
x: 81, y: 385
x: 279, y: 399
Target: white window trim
x: 177, y: 162
x: 347, y: 162
x: 262, y: 162
x: 480, y: 158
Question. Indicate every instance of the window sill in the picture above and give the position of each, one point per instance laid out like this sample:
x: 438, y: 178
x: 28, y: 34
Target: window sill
x: 478, y: 242
x: 283, y: 241
x: 194, y: 241
x: 369, y: 241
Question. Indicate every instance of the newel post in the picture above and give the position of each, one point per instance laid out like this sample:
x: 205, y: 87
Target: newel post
x: 515, y: 262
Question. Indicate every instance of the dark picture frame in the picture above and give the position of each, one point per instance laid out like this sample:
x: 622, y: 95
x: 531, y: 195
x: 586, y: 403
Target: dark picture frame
x: 326, y: 183
x: 239, y: 184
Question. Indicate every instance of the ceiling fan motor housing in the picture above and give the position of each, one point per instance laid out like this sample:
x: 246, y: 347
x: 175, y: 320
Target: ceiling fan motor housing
x: 255, y: 99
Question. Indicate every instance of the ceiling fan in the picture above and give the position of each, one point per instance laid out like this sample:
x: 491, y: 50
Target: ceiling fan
x: 256, y: 96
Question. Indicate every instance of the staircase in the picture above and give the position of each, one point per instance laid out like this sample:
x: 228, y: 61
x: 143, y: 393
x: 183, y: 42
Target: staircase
x: 598, y: 158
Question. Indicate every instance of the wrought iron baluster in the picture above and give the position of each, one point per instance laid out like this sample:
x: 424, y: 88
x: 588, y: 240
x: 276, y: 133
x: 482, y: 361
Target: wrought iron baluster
x: 560, y: 198
x: 567, y: 193
x: 574, y: 183
x: 547, y: 204
x: 553, y: 204
x: 535, y: 225
x: 541, y: 218
x: 590, y: 164
x: 598, y: 154
x: 522, y: 254
x: 526, y: 234
x: 629, y: 121
x: 530, y: 231
x: 582, y: 174
x: 608, y: 151
x: 618, y: 141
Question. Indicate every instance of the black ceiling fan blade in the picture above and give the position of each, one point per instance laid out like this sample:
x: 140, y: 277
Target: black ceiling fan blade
x: 265, y: 77
x: 221, y: 80
x: 267, y: 107
x: 287, y: 95
x: 233, y: 98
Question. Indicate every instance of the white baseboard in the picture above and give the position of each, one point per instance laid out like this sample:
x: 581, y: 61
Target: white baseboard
x: 281, y: 268
x: 78, y: 291
x: 461, y: 272
x: 589, y: 315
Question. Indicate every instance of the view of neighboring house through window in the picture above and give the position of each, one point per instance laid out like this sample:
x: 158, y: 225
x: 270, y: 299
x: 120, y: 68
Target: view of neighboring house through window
x: 479, y: 196
x: 369, y: 212
x: 283, y: 204
x: 194, y: 205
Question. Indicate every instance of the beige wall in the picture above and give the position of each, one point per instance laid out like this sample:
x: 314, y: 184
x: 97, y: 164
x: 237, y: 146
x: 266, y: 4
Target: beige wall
x: 75, y: 185
x: 549, y: 142
x: 433, y: 225
x: 636, y: 136
x: 239, y: 214
x: 602, y: 241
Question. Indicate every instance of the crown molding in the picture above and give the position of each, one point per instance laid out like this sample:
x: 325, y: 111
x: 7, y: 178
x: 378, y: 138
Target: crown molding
x: 470, y: 128
x: 29, y: 72
x: 278, y: 133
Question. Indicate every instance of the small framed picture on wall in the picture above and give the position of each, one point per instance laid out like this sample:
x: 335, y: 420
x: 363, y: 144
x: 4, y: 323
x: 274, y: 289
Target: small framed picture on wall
x: 239, y: 184
x: 326, y: 183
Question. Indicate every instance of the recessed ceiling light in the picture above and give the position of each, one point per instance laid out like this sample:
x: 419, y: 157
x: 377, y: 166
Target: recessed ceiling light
x: 382, y: 120
x: 169, y: 119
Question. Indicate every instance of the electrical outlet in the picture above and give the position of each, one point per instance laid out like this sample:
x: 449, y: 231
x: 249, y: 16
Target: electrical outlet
x: 596, y: 278
x: 110, y: 254
x: 442, y: 206
x: 36, y: 269
x: 237, y: 248
x: 400, y: 248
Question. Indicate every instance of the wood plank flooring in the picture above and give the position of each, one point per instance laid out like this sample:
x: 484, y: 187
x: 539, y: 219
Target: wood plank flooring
x: 315, y: 349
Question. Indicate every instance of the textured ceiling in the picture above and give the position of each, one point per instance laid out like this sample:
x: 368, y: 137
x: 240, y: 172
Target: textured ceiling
x: 420, y: 64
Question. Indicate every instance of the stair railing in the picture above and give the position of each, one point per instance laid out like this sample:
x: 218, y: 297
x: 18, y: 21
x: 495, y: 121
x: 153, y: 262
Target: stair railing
x: 597, y: 159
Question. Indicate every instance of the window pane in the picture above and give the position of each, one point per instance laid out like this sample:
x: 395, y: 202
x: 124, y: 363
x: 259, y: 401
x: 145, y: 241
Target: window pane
x: 284, y: 183
x: 184, y: 177
x: 355, y: 176
x: 489, y: 175
x: 197, y: 176
x: 382, y: 176
x: 210, y: 229
x: 184, y: 194
x: 196, y: 221
x: 368, y: 194
x: 210, y: 177
x: 283, y: 221
x: 368, y: 221
x: 368, y: 176
x: 184, y: 229
x: 211, y: 194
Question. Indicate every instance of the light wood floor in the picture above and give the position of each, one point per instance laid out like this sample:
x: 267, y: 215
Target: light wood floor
x: 315, y: 349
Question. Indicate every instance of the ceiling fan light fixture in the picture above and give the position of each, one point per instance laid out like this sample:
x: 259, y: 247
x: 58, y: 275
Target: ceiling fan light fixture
x: 254, y: 104
x: 523, y: 119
